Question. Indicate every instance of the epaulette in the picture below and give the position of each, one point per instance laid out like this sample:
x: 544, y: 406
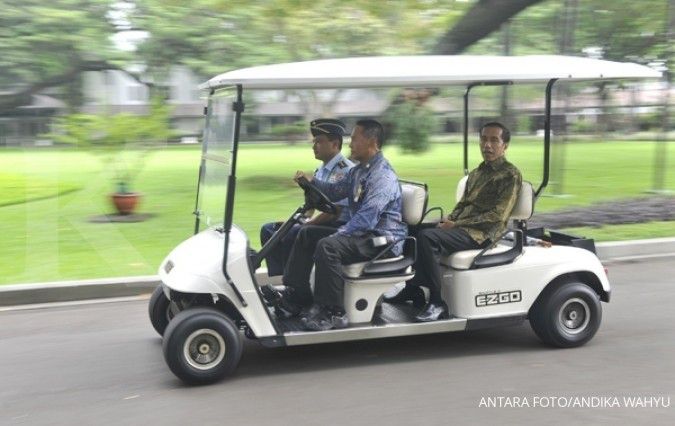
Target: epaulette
x: 341, y: 164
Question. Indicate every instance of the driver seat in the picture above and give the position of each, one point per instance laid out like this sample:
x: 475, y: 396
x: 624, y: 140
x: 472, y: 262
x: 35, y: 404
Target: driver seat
x: 365, y: 282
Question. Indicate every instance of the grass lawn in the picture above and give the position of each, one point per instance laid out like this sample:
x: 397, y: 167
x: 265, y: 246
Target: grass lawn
x: 48, y: 195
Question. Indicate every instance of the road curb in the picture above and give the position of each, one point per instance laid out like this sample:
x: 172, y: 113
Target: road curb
x: 63, y: 291
x: 614, y: 250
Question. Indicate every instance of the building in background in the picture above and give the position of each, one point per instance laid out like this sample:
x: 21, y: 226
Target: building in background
x: 281, y: 115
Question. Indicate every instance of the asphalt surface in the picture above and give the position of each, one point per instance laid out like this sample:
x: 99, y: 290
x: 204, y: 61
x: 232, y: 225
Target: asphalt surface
x: 102, y: 364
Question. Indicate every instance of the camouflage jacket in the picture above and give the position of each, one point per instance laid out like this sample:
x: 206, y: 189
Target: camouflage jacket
x: 489, y: 197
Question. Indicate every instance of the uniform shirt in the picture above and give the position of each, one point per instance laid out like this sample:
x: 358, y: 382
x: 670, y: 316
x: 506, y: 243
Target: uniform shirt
x: 374, y: 201
x: 333, y: 171
x: 490, y: 195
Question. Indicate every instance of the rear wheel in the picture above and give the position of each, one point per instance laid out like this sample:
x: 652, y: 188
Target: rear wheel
x: 201, y: 345
x: 567, y: 316
x: 158, y: 310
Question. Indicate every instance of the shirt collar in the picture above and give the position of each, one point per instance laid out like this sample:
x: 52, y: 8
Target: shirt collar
x: 495, y: 165
x: 377, y: 157
x: 330, y: 165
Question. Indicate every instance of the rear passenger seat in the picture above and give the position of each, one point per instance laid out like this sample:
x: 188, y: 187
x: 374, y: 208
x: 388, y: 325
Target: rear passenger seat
x: 523, y: 210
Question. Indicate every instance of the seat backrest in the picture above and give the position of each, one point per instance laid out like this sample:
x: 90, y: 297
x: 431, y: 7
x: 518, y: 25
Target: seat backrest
x: 524, y: 207
x: 414, y: 197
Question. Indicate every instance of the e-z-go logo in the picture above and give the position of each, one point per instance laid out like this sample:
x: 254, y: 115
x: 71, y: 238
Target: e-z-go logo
x: 498, y: 298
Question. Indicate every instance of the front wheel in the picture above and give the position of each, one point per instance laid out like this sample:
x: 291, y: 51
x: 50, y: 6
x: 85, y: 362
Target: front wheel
x: 159, y: 311
x: 201, y: 345
x: 567, y: 316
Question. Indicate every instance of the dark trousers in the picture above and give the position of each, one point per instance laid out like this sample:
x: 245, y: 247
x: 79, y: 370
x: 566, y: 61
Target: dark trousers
x: 433, y: 243
x: 278, y: 257
x: 328, y: 251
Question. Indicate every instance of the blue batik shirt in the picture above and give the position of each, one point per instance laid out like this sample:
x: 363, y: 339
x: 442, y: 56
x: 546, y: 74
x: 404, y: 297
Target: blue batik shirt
x: 333, y: 171
x: 374, y: 201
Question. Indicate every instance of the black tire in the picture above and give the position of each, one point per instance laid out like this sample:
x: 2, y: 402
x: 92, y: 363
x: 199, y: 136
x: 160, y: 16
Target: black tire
x: 202, y: 345
x: 566, y: 316
x: 158, y: 310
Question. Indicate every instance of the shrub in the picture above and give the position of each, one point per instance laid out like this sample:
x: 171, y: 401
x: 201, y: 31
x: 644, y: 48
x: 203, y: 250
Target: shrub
x: 412, y: 125
x: 290, y: 132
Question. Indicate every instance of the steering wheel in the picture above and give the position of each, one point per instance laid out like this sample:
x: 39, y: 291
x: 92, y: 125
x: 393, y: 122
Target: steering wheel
x: 316, y: 199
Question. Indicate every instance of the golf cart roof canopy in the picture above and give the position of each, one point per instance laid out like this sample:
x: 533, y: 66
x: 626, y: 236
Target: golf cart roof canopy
x: 426, y: 71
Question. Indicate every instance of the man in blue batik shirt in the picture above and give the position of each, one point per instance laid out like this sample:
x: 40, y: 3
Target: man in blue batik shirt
x: 375, y: 210
x: 327, y: 136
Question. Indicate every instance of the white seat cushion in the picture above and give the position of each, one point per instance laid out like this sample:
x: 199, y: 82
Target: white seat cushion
x: 463, y: 259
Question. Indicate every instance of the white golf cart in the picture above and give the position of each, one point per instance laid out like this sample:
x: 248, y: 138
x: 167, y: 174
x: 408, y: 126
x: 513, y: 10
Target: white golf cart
x: 210, y: 290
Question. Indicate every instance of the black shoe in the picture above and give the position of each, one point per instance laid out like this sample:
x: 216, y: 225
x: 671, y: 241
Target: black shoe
x: 433, y: 312
x: 270, y: 294
x: 324, y: 318
x: 409, y: 293
x: 287, y: 304
x: 311, y: 311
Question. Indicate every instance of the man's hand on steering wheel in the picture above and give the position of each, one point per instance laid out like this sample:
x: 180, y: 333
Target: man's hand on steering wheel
x: 300, y: 174
x: 314, y: 198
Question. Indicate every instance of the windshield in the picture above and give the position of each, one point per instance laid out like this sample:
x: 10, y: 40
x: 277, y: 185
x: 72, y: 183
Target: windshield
x: 216, y: 164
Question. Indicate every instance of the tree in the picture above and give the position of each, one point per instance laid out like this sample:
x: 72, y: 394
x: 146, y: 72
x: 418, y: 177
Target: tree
x: 123, y: 140
x: 214, y: 36
x: 47, y: 44
x: 413, y: 126
x: 484, y: 17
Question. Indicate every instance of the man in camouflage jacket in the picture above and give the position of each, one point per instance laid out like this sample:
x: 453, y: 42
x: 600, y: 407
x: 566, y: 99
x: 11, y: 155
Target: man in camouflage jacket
x: 479, y: 218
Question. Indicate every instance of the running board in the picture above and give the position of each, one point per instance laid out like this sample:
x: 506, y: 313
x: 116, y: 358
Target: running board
x: 373, y: 332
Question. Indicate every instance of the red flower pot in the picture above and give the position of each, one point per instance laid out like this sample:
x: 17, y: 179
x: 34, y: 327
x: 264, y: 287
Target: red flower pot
x: 125, y: 203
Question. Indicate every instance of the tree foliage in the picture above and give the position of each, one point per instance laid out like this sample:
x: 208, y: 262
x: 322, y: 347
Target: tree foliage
x: 412, y: 124
x: 48, y: 44
x: 620, y: 31
x: 213, y: 36
x: 45, y: 44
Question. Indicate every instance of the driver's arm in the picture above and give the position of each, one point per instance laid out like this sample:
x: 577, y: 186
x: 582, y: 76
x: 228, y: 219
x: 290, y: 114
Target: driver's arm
x: 336, y: 191
x: 322, y: 218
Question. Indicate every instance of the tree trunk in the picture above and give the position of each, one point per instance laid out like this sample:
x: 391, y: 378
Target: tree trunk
x: 482, y: 19
x: 661, y: 151
x: 565, y: 47
x: 14, y: 100
x: 504, y: 112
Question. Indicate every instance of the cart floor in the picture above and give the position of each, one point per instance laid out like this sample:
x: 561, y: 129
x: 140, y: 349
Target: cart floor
x: 385, y: 314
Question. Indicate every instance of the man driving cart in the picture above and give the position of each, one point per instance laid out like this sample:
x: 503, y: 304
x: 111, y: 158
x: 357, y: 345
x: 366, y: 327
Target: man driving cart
x: 327, y: 136
x: 374, y: 195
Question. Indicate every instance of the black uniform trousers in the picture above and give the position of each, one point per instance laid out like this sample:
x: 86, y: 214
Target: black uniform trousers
x: 432, y: 243
x: 278, y: 257
x: 328, y: 251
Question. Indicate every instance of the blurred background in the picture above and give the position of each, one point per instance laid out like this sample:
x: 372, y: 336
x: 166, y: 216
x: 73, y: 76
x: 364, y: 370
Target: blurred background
x: 99, y: 102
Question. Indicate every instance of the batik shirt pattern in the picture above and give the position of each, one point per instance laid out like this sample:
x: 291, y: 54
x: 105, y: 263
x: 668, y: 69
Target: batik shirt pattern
x: 489, y: 197
x: 375, y: 201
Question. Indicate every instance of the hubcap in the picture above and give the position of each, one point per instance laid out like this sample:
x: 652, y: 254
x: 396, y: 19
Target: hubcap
x: 574, y: 315
x: 204, y: 349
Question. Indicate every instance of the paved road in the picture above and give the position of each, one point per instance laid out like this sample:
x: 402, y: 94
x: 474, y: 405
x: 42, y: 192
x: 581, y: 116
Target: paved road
x: 102, y: 364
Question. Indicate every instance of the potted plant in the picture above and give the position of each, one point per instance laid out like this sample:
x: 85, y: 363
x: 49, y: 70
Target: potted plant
x: 123, y: 140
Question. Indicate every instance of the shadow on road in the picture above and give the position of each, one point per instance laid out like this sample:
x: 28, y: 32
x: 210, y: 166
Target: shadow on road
x: 260, y: 361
